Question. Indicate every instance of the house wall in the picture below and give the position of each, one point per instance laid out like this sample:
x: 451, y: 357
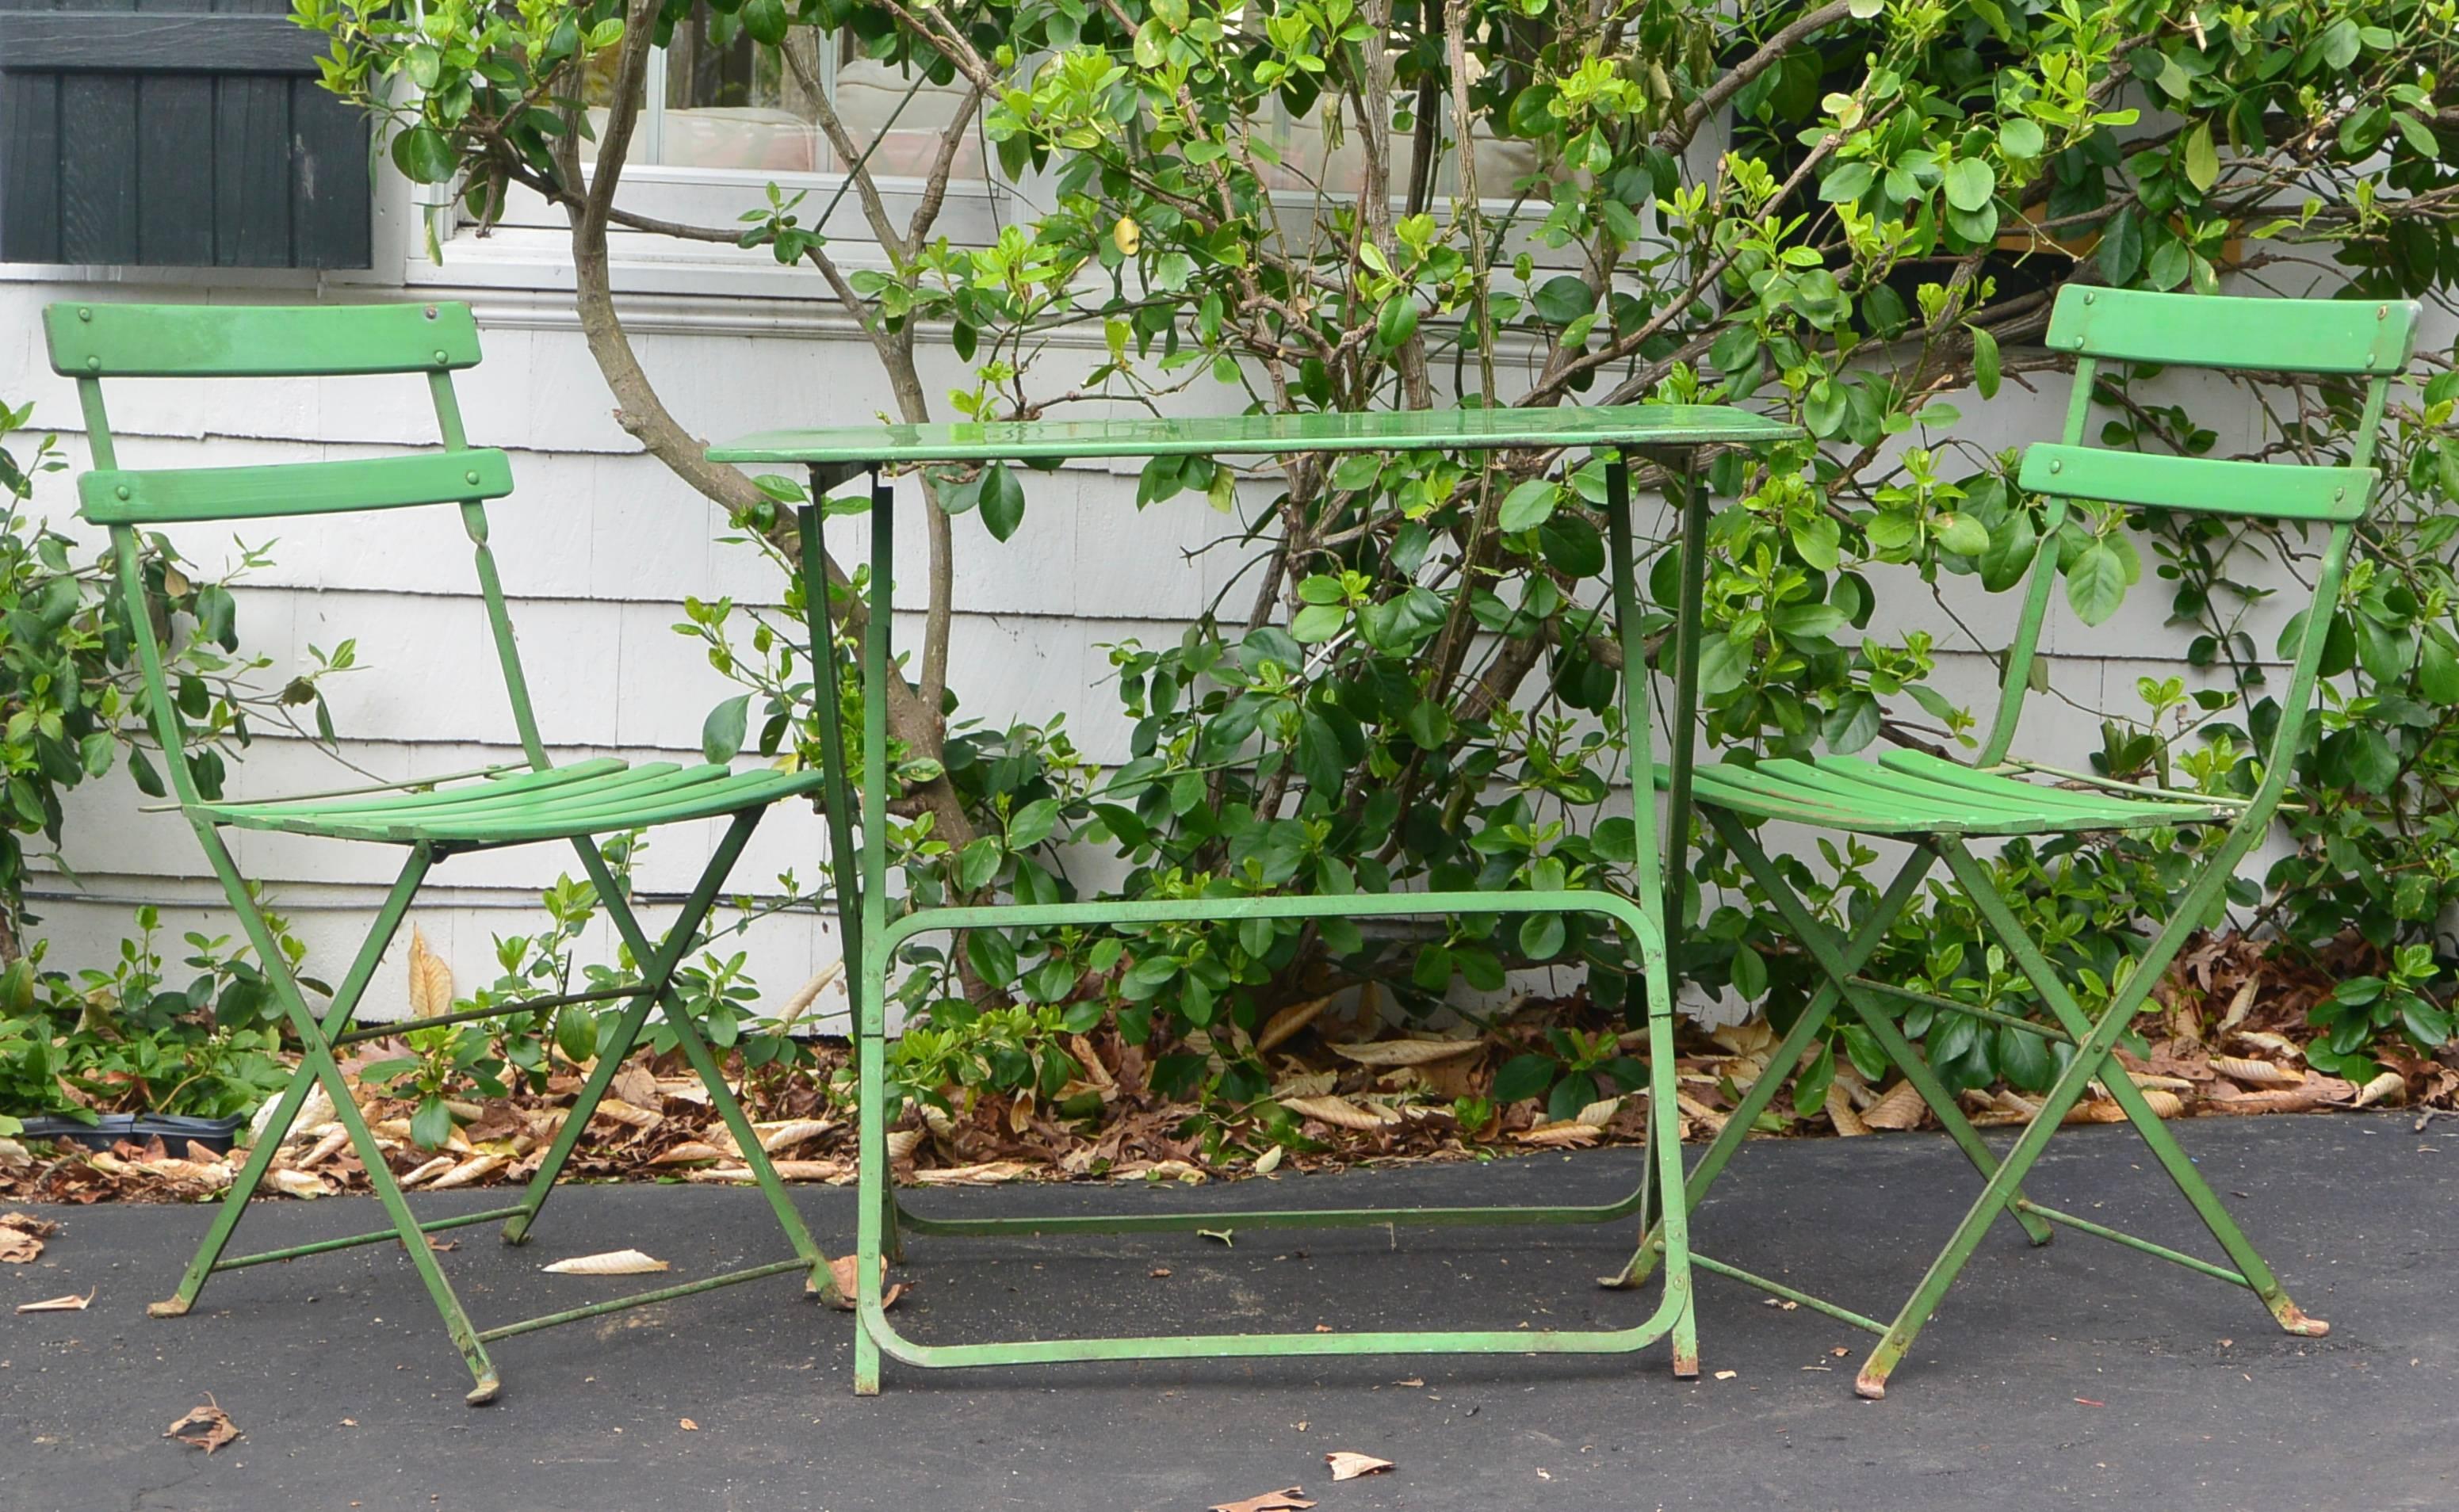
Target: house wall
x: 600, y: 546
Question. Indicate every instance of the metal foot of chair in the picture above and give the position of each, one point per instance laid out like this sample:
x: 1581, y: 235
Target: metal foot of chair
x: 485, y: 1390
x: 1871, y: 1384
x: 168, y: 1308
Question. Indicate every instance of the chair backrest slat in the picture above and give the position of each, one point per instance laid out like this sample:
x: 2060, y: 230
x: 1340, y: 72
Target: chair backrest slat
x: 2278, y: 335
x: 283, y: 341
x: 2263, y: 490
x: 169, y: 495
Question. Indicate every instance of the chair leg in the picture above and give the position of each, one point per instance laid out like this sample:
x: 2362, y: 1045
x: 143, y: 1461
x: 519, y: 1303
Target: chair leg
x: 294, y: 1097
x: 1867, y: 938
x: 316, y: 1060
x: 2165, y: 1149
x: 1822, y: 944
x: 661, y: 962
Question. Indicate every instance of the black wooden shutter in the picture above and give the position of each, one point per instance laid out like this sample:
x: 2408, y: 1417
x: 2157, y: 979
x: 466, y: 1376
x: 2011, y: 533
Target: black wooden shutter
x: 174, y: 133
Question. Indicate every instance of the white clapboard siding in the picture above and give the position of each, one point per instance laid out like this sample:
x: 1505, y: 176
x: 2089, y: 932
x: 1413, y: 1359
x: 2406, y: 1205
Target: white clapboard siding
x: 600, y: 547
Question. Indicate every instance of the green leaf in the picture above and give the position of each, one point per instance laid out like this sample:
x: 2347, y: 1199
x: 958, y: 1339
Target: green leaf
x: 1523, y: 1077
x: 424, y: 154
x: 432, y: 1125
x: 764, y: 20
x: 1963, y: 535
x: 991, y: 956
x: 2437, y: 669
x: 1852, y: 724
x: 721, y: 734
x: 2095, y: 583
x: 1396, y: 322
x: 1747, y: 973
x: 2021, y: 137
x: 2202, y: 158
x: 1984, y: 362
x: 1810, y: 1088
x: 1318, y: 621
x: 2121, y: 248
x: 1032, y: 824
x: 1564, y: 299
x: 1541, y: 936
x: 979, y: 862
x: 2025, y: 1060
x: 1530, y: 505
x: 1970, y: 184
x: 1002, y: 501
x: 1815, y: 540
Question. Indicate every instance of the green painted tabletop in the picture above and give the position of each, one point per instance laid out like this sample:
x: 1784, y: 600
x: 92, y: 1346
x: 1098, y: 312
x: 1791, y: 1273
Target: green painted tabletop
x: 1448, y: 429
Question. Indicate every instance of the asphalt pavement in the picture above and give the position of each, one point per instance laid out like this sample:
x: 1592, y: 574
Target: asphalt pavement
x: 2076, y: 1375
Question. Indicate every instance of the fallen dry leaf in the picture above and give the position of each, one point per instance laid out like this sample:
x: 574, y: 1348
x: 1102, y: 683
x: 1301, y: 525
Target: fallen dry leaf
x: 1158, y: 1271
x: 2251, y: 1072
x: 848, y: 1275
x: 1285, y: 1024
x: 2385, y: 1084
x: 686, y: 1425
x: 1341, y: 1113
x: 1288, y: 1499
x: 1899, y: 1107
x: 298, y: 1183
x: 57, y: 1304
x: 204, y: 1426
x: 1268, y: 1162
x: 430, y: 981
x: 1403, y: 1052
x: 1727, y: 1374
x: 22, y: 1236
x: 1564, y: 1134
x: 613, y: 1261
x: 688, y: 1153
x: 1348, y: 1465
x: 468, y: 1172
x: 990, y: 1173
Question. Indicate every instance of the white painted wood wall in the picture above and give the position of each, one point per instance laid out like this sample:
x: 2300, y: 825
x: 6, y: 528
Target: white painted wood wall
x: 600, y: 546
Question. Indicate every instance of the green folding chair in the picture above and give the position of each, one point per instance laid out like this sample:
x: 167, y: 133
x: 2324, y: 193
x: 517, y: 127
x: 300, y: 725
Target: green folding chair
x: 1941, y: 806
x: 431, y: 820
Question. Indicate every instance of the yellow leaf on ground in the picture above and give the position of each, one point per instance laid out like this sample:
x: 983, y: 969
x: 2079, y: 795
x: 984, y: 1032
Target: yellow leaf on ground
x: 1341, y: 1113
x: 1288, y: 1499
x: 1567, y: 1133
x: 1285, y: 1024
x: 988, y: 1173
x: 2386, y: 1084
x: 613, y: 1261
x: 1404, y: 1052
x: 2250, y: 1072
x: 1899, y: 1107
x: 1348, y: 1465
x: 690, y: 1153
x: 469, y: 1170
x: 57, y: 1304
x: 204, y: 1426
x: 848, y: 1275
x: 298, y: 1183
x: 1842, y: 1112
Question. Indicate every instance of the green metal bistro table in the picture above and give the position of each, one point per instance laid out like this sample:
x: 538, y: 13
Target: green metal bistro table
x: 1671, y: 435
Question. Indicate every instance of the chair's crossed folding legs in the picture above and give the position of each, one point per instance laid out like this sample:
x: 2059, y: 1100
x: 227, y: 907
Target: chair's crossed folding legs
x: 318, y: 1067
x: 2095, y: 1042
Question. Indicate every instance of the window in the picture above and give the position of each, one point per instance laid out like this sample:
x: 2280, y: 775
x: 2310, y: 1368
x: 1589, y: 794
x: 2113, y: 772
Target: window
x: 718, y: 100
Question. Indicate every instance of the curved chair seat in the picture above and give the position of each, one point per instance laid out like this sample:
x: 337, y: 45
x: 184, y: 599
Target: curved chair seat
x: 1912, y: 792
x: 586, y: 798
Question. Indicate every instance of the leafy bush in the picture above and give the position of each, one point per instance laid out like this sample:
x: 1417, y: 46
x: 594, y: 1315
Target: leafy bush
x: 1420, y: 690
x: 71, y: 707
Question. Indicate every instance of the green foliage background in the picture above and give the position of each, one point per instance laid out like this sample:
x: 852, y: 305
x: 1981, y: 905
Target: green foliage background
x: 1842, y: 212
